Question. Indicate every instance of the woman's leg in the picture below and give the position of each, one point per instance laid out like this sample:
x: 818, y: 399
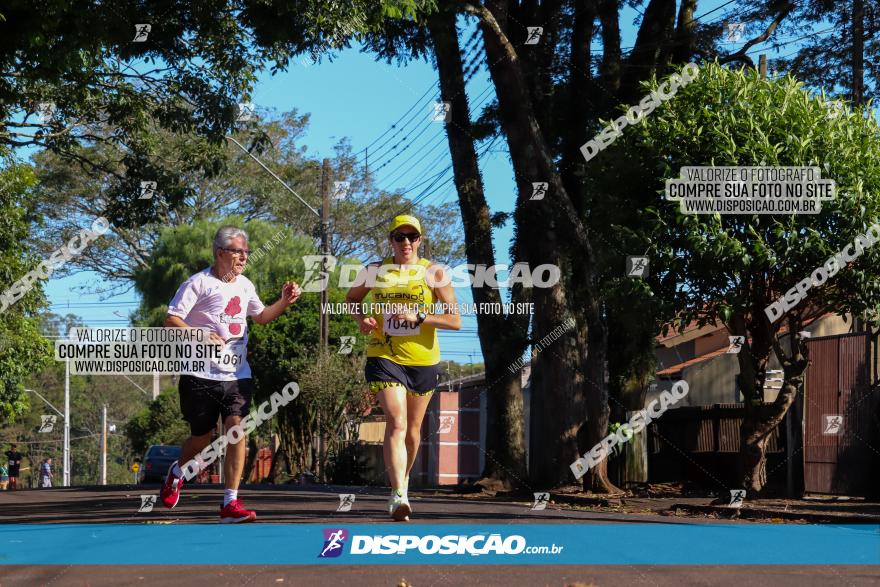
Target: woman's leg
x: 393, y: 402
x: 416, y: 405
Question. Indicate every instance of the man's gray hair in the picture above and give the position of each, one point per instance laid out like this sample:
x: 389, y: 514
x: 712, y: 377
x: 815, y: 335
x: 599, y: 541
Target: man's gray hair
x: 225, y: 234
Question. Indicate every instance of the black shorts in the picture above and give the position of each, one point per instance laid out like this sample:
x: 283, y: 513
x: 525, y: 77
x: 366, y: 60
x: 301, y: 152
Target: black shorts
x: 203, y: 400
x: 416, y: 380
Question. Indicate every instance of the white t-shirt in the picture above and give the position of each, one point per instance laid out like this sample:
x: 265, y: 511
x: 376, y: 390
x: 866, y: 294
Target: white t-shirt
x: 206, y: 301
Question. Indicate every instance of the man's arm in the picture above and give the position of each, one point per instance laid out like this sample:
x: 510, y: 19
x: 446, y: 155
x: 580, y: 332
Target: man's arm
x: 289, y: 294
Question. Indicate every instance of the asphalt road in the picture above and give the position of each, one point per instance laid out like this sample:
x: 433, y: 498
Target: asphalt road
x: 120, y: 504
x: 441, y: 576
x: 200, y: 505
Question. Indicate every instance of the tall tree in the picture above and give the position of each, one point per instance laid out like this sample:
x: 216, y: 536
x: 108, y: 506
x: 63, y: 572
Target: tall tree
x: 729, y: 268
x: 502, y: 338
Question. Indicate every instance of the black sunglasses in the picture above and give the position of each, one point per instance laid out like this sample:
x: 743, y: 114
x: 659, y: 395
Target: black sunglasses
x: 412, y: 236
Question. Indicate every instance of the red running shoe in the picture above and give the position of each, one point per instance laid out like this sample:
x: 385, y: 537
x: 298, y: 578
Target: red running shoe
x: 170, y: 493
x: 234, y: 513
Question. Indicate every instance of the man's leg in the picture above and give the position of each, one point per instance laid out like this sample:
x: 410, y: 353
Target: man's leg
x: 233, y: 466
x: 193, y: 446
x: 13, y: 482
x: 236, y: 405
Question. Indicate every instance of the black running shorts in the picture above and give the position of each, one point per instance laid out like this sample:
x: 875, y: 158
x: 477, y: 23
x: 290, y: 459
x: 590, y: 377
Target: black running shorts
x: 203, y: 400
x: 416, y: 380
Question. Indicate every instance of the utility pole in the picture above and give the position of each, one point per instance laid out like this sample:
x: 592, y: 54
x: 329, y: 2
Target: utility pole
x: 762, y: 65
x: 325, y: 318
x: 858, y: 52
x: 325, y: 248
x: 66, y: 456
x: 104, y: 446
x: 155, y: 386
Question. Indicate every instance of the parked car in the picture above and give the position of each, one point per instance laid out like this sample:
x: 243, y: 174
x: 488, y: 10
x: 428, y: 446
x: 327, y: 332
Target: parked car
x: 156, y: 461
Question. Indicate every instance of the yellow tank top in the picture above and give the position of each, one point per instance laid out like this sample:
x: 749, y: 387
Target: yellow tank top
x: 403, y: 343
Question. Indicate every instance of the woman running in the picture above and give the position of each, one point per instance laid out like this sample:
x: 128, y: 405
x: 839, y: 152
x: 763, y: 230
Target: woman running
x: 403, y: 352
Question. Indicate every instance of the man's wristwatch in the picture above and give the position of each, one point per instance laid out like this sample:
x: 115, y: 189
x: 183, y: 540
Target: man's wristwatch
x: 420, y: 317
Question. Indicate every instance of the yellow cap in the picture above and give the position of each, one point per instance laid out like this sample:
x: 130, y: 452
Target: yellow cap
x: 405, y: 220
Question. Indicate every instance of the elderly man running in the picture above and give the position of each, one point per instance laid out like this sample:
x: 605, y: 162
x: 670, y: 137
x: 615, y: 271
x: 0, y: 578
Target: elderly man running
x: 220, y: 298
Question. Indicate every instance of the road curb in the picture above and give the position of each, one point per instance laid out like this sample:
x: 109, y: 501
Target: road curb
x: 764, y: 514
x: 583, y: 500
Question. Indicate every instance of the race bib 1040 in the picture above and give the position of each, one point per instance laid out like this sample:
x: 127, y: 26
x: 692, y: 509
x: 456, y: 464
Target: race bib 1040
x: 394, y: 327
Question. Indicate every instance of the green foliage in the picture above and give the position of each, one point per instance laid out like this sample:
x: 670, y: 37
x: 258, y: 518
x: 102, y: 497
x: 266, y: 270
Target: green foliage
x: 333, y: 398
x: 22, y: 350
x: 159, y: 423
x: 725, y: 265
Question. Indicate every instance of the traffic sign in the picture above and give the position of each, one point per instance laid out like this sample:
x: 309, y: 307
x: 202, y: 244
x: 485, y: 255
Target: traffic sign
x: 135, y: 467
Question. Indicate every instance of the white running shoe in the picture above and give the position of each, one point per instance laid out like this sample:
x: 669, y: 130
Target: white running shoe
x: 398, y: 506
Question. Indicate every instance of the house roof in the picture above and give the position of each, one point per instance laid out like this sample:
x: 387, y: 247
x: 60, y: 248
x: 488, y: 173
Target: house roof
x: 694, y: 332
x: 673, y: 369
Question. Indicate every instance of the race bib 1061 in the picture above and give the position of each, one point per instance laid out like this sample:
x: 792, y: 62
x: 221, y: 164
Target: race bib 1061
x: 232, y: 357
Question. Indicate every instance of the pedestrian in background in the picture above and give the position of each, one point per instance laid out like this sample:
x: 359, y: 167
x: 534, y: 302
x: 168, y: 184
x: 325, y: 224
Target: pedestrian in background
x: 14, y: 465
x: 46, y: 473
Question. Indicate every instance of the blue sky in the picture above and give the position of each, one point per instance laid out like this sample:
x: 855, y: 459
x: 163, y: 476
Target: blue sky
x: 356, y: 97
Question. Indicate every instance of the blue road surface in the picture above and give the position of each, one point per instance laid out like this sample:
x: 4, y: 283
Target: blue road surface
x: 446, y: 544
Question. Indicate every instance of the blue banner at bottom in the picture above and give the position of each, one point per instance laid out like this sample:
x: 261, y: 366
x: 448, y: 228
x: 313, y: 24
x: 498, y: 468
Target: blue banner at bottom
x: 439, y: 544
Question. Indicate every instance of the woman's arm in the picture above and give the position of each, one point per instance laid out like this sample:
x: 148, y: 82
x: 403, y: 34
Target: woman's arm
x: 445, y: 295
x: 355, y: 296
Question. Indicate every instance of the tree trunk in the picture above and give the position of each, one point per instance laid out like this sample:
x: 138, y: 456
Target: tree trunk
x: 502, y: 340
x: 538, y: 223
x: 858, y: 52
x: 761, y: 419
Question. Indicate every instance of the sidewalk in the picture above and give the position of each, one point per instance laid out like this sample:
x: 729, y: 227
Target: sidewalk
x: 667, y: 500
